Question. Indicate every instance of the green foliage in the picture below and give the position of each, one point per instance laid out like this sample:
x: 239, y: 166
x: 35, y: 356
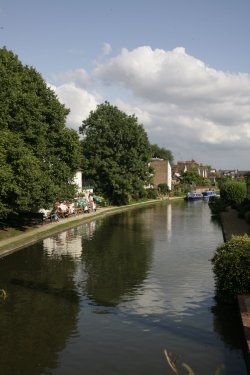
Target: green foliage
x: 161, y: 153
x: 231, y: 265
x: 20, y: 175
x: 193, y: 178
x: 163, y: 188
x: 39, y: 155
x: 233, y: 192
x: 116, y: 154
x: 151, y: 194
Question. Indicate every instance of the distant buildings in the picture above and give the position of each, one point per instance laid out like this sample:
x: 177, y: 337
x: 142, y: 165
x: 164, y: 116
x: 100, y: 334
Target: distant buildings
x: 184, y: 166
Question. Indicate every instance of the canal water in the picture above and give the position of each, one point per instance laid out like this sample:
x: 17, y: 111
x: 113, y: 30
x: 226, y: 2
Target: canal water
x: 108, y: 297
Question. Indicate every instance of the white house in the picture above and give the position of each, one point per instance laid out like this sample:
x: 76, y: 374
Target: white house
x: 77, y: 180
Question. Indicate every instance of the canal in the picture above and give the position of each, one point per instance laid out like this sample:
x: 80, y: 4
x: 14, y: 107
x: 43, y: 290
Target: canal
x: 108, y: 297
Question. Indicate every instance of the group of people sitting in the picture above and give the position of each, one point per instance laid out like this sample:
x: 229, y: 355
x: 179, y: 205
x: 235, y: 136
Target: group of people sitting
x: 65, y: 209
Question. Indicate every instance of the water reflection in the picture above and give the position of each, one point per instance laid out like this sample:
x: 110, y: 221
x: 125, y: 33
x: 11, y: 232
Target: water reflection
x: 228, y: 325
x: 117, y: 259
x: 69, y: 243
x: 40, y: 312
x: 120, y: 290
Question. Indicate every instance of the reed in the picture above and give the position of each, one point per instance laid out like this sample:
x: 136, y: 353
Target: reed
x: 3, y: 294
x: 172, y: 361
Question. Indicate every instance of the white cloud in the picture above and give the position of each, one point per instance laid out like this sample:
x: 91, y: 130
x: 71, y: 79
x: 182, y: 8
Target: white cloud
x: 80, y: 102
x: 106, y: 49
x: 78, y: 77
x: 185, y: 105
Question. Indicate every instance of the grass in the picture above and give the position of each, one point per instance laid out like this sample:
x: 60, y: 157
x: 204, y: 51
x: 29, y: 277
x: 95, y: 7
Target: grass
x: 10, y: 232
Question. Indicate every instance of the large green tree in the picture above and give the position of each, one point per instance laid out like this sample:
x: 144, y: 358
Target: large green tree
x: 116, y: 153
x: 33, y: 119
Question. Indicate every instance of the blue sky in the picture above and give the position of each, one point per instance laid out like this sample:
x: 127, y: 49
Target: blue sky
x: 181, y: 66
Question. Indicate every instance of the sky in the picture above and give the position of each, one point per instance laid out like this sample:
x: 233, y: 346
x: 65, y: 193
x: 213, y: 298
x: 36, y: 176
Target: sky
x: 181, y: 66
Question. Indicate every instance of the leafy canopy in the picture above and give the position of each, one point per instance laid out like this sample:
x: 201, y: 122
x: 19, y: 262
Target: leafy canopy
x: 116, y: 153
x: 192, y: 177
x: 232, y: 191
x: 38, y: 152
x: 161, y: 153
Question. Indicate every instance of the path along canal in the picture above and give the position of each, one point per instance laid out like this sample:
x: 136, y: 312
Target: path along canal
x: 107, y: 297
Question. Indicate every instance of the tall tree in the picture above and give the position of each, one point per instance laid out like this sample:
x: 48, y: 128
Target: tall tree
x: 31, y: 112
x: 116, y: 153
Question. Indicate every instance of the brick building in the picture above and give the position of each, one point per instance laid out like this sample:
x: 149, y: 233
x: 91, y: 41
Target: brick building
x: 162, y: 172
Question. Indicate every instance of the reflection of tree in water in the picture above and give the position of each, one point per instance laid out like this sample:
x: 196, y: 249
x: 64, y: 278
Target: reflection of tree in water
x: 117, y: 258
x: 40, y: 312
x: 215, y: 219
x: 227, y: 324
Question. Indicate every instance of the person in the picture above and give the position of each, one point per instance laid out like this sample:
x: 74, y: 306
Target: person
x: 86, y: 208
x: 54, y: 216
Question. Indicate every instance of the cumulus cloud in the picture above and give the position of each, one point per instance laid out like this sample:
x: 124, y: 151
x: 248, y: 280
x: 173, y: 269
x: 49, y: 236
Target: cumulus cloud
x: 78, y: 100
x: 185, y: 105
x: 78, y: 77
x: 106, y: 49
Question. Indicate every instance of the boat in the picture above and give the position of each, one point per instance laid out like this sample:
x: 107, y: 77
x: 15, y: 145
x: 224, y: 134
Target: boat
x: 209, y: 193
x: 191, y: 195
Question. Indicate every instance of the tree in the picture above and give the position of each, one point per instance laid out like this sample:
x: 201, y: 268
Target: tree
x: 20, y: 176
x: 232, y: 191
x: 161, y: 153
x: 192, y: 177
x: 116, y: 153
x: 32, y: 117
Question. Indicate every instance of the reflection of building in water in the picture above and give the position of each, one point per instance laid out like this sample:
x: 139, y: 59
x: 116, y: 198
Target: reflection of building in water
x: 69, y: 242
x: 169, y: 220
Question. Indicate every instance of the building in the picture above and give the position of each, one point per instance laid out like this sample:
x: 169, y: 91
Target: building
x: 77, y: 180
x: 162, y: 173
x: 190, y: 165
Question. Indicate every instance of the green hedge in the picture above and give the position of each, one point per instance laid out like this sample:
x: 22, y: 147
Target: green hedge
x: 231, y: 266
x: 233, y: 192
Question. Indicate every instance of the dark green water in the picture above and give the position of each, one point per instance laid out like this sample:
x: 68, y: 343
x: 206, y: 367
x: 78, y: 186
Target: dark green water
x: 108, y: 297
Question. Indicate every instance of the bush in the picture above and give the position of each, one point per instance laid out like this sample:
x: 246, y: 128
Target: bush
x: 231, y: 265
x: 152, y: 194
x: 163, y: 189
x: 233, y: 192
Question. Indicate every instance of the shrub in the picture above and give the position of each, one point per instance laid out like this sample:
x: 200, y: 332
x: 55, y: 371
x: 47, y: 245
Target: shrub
x: 231, y: 265
x: 233, y: 192
x: 152, y: 194
x: 163, y: 188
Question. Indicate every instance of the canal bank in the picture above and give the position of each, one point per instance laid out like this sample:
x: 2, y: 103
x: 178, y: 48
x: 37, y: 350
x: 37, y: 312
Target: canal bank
x: 233, y: 225
x: 38, y: 232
